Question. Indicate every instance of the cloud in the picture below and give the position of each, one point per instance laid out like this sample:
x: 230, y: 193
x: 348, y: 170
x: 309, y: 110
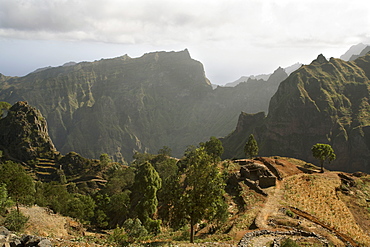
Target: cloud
x: 238, y: 34
x: 167, y: 22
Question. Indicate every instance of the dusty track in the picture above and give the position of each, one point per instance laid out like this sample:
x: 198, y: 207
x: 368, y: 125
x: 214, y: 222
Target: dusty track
x: 271, y: 207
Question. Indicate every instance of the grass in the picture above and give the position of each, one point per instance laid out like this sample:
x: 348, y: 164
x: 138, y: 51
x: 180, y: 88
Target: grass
x: 316, y: 195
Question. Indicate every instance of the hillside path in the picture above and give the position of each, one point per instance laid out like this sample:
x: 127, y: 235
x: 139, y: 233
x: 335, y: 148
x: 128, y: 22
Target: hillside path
x: 271, y: 207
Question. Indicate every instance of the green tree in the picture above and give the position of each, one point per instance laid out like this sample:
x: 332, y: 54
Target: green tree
x: 214, y: 148
x: 134, y: 229
x: 118, y: 208
x: 81, y: 207
x: 251, y: 147
x: 52, y: 195
x: 202, y: 190
x: 144, y: 196
x: 323, y: 152
x: 15, y: 220
x: 104, y: 160
x: 5, y: 201
x: 19, y: 184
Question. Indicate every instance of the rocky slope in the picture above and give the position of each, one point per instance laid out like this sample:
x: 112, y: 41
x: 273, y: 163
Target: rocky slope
x: 324, y: 102
x: 122, y: 105
x: 24, y: 135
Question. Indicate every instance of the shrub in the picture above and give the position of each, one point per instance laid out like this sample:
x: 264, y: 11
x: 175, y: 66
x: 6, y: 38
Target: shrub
x: 290, y: 213
x: 289, y: 243
x: 15, y: 221
x: 134, y: 229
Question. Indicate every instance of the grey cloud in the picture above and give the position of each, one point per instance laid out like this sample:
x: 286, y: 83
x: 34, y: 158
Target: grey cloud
x: 259, y: 23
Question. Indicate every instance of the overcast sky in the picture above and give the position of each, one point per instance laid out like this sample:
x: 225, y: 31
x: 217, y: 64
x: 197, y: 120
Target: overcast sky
x: 231, y: 38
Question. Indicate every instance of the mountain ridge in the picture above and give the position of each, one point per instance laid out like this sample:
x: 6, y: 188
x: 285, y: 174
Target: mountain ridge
x: 325, y: 101
x: 123, y: 105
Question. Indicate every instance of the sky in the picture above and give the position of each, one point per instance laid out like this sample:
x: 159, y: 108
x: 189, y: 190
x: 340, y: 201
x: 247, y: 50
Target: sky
x: 232, y: 38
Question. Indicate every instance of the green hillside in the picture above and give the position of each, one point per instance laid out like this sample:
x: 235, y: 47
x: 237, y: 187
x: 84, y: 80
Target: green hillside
x: 122, y: 105
x: 324, y: 102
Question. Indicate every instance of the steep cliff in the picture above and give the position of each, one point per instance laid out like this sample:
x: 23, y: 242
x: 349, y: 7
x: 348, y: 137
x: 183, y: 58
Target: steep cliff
x: 24, y: 135
x: 327, y: 102
x: 122, y: 105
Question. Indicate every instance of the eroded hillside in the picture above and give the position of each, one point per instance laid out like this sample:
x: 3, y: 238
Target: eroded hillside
x: 324, y: 102
x: 122, y: 105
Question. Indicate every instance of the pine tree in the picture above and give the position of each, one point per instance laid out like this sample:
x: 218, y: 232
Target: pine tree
x: 214, y: 148
x: 202, y: 190
x: 144, y: 196
x: 251, y: 147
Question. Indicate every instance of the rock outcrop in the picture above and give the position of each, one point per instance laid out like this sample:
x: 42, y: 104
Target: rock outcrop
x: 324, y: 102
x: 24, y: 134
x: 7, y: 238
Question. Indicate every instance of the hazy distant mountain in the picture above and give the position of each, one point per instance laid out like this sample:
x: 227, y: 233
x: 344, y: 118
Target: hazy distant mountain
x: 246, y: 78
x: 324, y: 102
x: 122, y: 105
x: 264, y: 77
x: 353, y: 50
x: 362, y: 53
x: 290, y: 69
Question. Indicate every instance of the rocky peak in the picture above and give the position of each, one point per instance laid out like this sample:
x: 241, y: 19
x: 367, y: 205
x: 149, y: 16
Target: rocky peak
x: 24, y: 134
x: 278, y: 76
x: 320, y: 59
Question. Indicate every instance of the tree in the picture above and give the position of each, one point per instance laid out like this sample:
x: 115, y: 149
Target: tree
x: 144, y: 196
x: 104, y: 160
x: 214, y: 148
x: 19, y: 184
x: 202, y: 190
x: 81, y: 207
x: 134, y: 229
x: 323, y: 152
x: 251, y: 147
x: 5, y: 201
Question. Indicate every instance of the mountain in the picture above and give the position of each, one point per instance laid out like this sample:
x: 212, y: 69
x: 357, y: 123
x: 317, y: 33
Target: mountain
x: 362, y: 53
x: 123, y: 105
x: 264, y: 77
x: 324, y: 102
x: 353, y: 50
x: 256, y: 94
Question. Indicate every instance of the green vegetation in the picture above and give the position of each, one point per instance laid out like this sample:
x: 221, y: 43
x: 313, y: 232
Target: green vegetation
x: 15, y: 221
x: 289, y: 243
x: 251, y: 147
x: 19, y: 185
x: 201, y: 191
x: 5, y: 201
x: 144, y: 200
x: 323, y: 152
x: 214, y: 148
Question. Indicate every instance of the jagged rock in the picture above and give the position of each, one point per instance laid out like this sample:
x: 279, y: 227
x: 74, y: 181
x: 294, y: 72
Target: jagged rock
x: 24, y: 135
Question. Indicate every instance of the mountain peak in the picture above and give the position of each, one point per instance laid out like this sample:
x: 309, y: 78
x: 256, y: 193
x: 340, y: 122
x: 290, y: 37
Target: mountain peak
x: 320, y: 59
x: 24, y: 135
